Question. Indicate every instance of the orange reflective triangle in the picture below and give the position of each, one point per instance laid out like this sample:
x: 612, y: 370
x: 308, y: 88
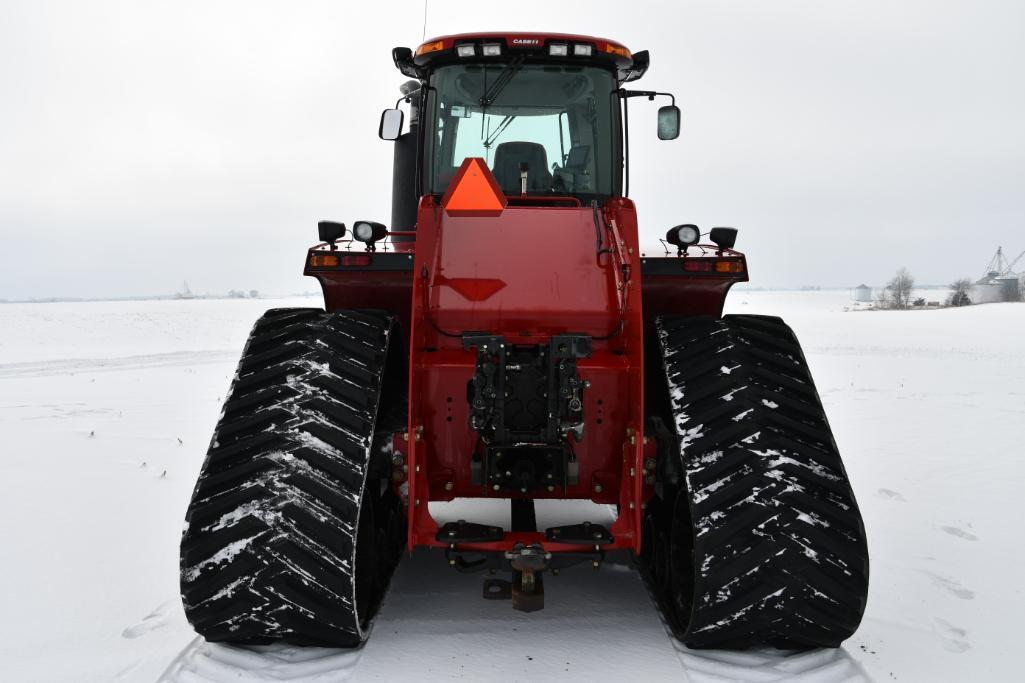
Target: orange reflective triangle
x: 474, y: 191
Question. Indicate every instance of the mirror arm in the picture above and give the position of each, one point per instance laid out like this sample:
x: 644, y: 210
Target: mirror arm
x: 650, y: 94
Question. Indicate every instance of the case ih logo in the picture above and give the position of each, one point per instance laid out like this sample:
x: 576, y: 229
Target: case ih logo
x: 526, y: 41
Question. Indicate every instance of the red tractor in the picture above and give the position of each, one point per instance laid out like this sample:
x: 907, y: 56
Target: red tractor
x: 506, y: 338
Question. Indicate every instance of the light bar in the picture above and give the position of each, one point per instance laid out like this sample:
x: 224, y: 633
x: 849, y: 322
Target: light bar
x: 466, y: 50
x: 581, y: 50
x: 491, y: 49
x: 558, y: 49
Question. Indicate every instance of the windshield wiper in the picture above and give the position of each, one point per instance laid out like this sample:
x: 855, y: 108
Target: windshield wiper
x: 510, y: 70
x: 499, y: 130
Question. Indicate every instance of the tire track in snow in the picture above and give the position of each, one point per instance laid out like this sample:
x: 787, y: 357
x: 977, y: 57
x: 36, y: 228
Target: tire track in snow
x: 203, y: 662
x: 65, y: 366
x: 764, y: 665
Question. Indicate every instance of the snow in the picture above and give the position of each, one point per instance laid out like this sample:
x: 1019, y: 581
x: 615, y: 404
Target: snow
x: 99, y: 400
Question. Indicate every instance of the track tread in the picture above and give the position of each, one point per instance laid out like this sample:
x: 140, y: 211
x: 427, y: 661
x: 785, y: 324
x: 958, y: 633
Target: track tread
x: 269, y: 549
x: 779, y: 551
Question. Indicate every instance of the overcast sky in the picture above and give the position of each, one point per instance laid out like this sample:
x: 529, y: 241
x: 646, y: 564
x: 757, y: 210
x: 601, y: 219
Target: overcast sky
x: 147, y: 143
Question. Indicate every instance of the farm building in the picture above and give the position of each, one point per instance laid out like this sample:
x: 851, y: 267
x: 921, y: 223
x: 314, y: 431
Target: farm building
x: 1000, y: 283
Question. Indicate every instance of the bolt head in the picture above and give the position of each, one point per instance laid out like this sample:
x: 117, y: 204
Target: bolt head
x: 449, y: 486
x: 598, y: 488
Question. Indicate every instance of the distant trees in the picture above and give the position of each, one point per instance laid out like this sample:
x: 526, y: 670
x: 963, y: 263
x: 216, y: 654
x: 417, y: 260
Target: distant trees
x: 959, y: 294
x: 897, y: 293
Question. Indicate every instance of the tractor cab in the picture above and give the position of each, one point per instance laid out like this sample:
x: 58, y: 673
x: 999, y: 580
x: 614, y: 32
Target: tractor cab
x: 546, y: 113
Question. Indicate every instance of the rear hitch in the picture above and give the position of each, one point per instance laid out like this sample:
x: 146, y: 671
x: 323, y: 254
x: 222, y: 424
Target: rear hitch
x: 528, y: 588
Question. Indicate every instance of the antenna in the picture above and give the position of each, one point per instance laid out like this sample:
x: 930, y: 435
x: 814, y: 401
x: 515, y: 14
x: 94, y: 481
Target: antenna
x: 424, y: 36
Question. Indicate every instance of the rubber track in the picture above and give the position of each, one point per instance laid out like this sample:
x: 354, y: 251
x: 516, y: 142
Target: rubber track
x: 779, y: 551
x: 268, y: 551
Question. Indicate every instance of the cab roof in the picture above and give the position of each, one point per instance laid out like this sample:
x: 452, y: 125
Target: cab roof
x: 500, y: 45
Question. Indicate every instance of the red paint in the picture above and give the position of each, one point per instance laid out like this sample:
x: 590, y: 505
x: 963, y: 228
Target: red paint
x: 527, y: 273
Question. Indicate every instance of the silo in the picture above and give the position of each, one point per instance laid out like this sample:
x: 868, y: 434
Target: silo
x: 987, y: 290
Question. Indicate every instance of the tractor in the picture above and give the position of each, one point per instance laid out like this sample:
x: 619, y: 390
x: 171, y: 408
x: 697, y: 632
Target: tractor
x: 506, y: 337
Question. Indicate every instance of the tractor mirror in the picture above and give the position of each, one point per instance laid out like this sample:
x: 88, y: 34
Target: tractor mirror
x: 668, y: 122
x: 391, y: 124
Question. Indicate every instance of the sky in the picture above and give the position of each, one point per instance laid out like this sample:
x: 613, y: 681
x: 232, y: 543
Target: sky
x: 145, y: 143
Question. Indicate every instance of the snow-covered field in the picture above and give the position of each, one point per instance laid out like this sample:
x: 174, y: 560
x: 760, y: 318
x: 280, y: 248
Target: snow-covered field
x: 105, y: 414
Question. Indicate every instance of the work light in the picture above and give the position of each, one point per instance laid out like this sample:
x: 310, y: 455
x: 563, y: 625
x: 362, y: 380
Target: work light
x: 466, y: 50
x: 330, y: 232
x: 369, y: 232
x: 724, y: 238
x: 682, y: 236
x: 491, y: 49
x: 558, y: 50
x: 581, y: 50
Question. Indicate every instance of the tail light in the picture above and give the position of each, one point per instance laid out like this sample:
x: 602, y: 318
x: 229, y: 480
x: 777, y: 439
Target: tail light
x: 324, y: 260
x: 721, y: 266
x: 334, y: 260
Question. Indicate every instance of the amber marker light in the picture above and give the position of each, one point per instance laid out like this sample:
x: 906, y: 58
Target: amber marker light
x: 614, y: 49
x: 427, y: 48
x: 729, y: 267
x: 324, y: 260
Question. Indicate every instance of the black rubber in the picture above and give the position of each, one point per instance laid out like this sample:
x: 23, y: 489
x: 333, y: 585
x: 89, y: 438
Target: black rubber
x: 293, y: 477
x: 754, y: 536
